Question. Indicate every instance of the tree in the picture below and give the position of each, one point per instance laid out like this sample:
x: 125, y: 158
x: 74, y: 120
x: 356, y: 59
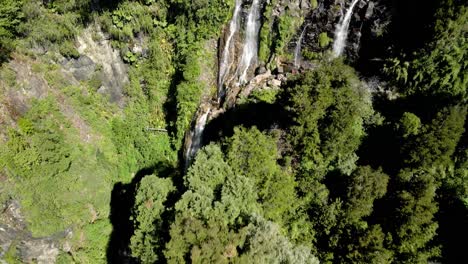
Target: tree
x: 266, y: 244
x: 10, y: 17
x: 364, y: 187
x: 211, y: 214
x: 329, y: 107
x: 441, y: 69
x: 367, y: 246
x: 146, y: 241
x: 350, y: 239
x: 254, y: 154
x: 409, y: 124
x: 437, y: 141
x: 413, y: 225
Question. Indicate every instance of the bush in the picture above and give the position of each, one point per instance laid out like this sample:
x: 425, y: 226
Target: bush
x: 10, y: 18
x: 68, y: 50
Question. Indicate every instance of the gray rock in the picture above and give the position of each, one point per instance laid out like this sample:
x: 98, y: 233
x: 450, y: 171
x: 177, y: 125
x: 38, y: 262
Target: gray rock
x: 274, y: 83
x: 40, y: 250
x: 13, y: 232
x: 305, y: 4
x: 362, y: 4
x: 81, y: 68
x: 260, y: 70
x: 113, y: 71
x: 370, y: 10
x: 279, y: 70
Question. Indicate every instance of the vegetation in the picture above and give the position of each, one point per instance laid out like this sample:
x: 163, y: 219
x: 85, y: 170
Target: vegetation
x: 321, y: 170
x: 10, y: 18
x: 324, y: 40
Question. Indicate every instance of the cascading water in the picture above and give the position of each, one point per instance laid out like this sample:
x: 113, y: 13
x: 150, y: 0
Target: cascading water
x: 249, y: 53
x: 249, y: 57
x: 196, y: 137
x: 297, y: 51
x: 226, y: 57
x: 341, y: 32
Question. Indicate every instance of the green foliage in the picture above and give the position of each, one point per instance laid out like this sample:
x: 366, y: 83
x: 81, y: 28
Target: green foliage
x: 215, y: 203
x: 151, y: 195
x: 266, y: 244
x: 267, y: 96
x: 265, y: 35
x: 55, y: 27
x: 442, y: 68
x: 254, y: 154
x: 277, y: 197
x: 189, y: 93
x: 413, y: 219
x: 68, y: 50
x: 313, y: 4
x: 437, y: 141
x: 364, y: 187
x: 221, y: 212
x: 39, y: 147
x: 329, y: 108
x: 130, y: 57
x: 11, y: 256
x: 287, y: 25
x: 90, y: 242
x: 8, y: 76
x: 131, y: 18
x: 409, y: 124
x: 368, y: 247
x: 10, y: 18
x: 324, y: 40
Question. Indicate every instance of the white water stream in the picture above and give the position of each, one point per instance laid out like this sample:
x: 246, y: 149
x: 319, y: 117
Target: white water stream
x: 341, y: 31
x: 297, y: 50
x: 196, y: 137
x: 227, y: 56
x: 250, y: 50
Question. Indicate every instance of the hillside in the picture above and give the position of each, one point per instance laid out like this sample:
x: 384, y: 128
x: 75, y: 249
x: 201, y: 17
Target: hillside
x: 233, y: 131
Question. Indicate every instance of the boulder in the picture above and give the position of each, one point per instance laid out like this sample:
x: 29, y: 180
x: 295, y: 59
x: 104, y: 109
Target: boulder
x: 369, y: 10
x: 274, y: 83
x: 82, y: 68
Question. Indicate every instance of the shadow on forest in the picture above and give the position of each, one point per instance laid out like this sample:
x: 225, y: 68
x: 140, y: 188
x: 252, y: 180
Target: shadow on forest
x: 122, y: 202
x: 382, y: 146
x: 262, y: 115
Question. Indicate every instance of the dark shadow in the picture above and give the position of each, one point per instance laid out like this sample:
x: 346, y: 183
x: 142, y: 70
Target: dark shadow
x: 453, y: 228
x: 262, y: 115
x: 337, y: 183
x: 383, y: 145
x: 453, y: 213
x: 170, y: 105
x: 122, y: 202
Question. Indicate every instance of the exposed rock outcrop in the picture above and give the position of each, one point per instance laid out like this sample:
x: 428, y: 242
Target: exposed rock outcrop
x: 13, y: 233
x: 98, y: 57
x: 368, y: 15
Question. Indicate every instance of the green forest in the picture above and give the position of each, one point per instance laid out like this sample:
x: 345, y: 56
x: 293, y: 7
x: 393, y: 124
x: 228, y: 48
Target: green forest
x: 233, y: 131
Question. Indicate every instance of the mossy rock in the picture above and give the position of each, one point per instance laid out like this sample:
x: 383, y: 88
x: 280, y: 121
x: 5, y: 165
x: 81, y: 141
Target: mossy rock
x: 324, y: 40
x: 313, y: 4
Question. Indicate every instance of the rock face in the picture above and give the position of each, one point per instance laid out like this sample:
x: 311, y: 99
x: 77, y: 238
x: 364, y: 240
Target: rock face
x: 13, y: 233
x: 367, y: 16
x: 98, y: 57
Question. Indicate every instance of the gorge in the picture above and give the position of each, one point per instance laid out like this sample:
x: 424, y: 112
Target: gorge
x: 233, y: 131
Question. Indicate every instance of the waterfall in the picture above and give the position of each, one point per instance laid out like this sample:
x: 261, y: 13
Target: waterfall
x: 297, y: 51
x: 341, y: 32
x: 196, y: 137
x: 249, y: 53
x: 226, y: 62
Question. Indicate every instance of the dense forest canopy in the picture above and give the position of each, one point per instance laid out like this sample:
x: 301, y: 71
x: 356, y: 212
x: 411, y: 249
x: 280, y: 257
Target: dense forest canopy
x: 233, y: 131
